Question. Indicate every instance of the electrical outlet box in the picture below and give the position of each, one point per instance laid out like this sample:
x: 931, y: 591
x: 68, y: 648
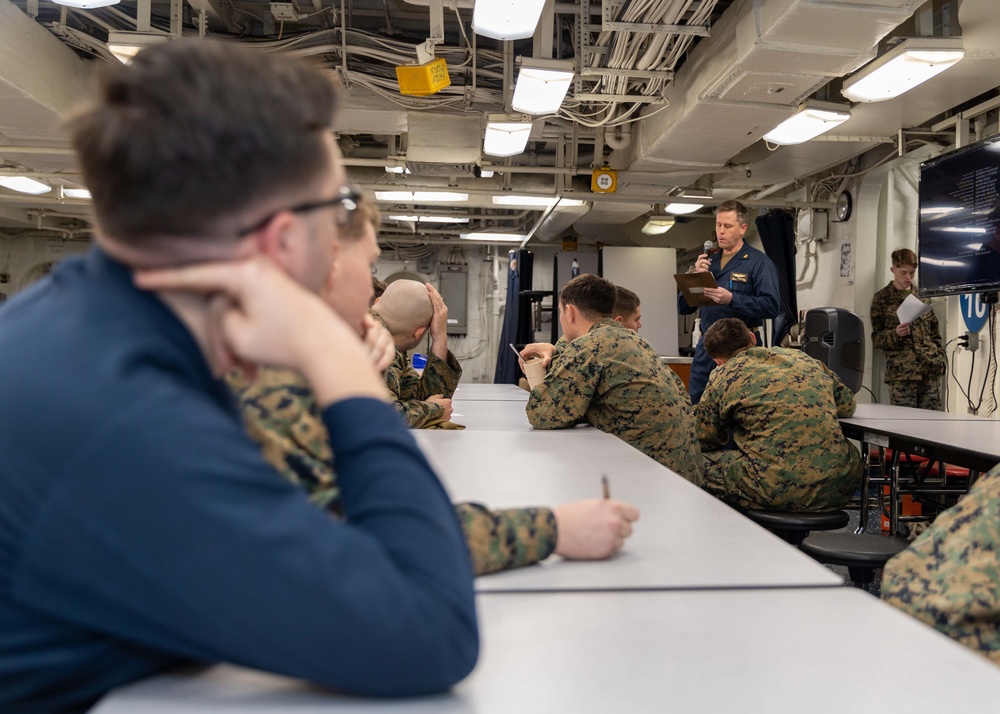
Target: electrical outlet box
x: 455, y: 292
x: 4, y: 277
x: 284, y: 11
x: 973, y: 341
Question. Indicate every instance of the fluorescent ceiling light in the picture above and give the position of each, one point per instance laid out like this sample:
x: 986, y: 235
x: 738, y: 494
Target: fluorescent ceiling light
x: 23, y: 184
x: 695, y: 193
x: 421, y: 196
x: 939, y: 210
x: 429, y: 219
x: 86, y: 4
x: 658, y: 225
x: 541, y: 86
x: 486, y: 173
x: 908, y: 64
x: 682, y: 208
x: 506, y: 19
x: 495, y: 237
x: 126, y: 45
x: 509, y: 199
x: 76, y: 193
x: 396, y: 170
x: 506, y: 138
x: 811, y: 120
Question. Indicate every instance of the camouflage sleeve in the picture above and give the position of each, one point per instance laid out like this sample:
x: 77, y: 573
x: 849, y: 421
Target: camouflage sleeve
x: 563, y: 398
x: 500, y: 540
x: 404, y: 383
x: 884, y: 322
x: 440, y: 376
x: 927, y: 340
x: 418, y: 412
x: 712, y: 428
x: 407, y: 381
x: 842, y: 396
x: 948, y: 577
x: 280, y: 414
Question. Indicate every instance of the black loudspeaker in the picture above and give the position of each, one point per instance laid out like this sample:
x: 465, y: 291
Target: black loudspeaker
x: 836, y: 337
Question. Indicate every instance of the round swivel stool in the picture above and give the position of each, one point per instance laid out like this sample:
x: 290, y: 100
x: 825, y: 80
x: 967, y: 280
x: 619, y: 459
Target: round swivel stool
x: 862, y: 554
x: 794, y: 526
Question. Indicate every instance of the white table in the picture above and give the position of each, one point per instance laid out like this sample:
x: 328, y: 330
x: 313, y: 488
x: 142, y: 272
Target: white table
x: 775, y: 651
x: 497, y: 415
x: 490, y: 392
x: 892, y: 412
x: 972, y: 442
x: 685, y: 537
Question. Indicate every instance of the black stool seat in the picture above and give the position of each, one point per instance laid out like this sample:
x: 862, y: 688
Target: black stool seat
x: 793, y: 520
x: 793, y: 526
x: 862, y: 554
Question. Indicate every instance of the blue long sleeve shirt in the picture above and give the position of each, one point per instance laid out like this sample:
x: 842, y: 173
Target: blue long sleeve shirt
x: 140, y: 527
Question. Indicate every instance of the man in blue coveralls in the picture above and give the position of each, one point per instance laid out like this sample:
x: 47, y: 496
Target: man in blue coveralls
x: 747, y: 287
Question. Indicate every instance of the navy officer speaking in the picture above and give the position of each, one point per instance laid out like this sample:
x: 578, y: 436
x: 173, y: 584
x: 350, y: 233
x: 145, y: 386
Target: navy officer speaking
x: 747, y: 287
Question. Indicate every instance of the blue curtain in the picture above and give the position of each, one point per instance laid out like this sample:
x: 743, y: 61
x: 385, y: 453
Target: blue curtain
x: 777, y: 234
x: 516, y: 326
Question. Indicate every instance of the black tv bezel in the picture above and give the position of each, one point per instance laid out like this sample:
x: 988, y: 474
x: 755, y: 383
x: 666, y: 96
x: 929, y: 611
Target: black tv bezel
x: 958, y: 289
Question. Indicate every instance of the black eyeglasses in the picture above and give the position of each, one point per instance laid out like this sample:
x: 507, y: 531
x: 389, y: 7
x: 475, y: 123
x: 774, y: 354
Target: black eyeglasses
x: 347, y: 198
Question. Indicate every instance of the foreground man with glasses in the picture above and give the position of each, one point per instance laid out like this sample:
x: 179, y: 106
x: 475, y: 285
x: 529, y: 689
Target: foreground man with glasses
x: 139, y: 526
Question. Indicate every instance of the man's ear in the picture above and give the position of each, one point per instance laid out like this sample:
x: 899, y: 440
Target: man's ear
x: 619, y: 318
x: 419, y: 332
x: 753, y: 338
x: 572, y: 314
x: 272, y: 240
x: 718, y: 362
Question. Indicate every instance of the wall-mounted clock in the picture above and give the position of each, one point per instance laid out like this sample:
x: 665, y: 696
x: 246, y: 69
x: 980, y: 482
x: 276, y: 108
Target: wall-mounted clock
x: 845, y: 204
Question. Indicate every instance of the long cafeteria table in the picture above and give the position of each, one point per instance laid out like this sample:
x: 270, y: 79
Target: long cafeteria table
x: 776, y: 651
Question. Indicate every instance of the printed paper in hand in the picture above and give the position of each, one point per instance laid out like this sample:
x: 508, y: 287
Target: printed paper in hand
x: 910, y: 309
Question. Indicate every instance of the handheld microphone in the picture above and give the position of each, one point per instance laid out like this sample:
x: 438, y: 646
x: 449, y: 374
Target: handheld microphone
x: 709, y: 247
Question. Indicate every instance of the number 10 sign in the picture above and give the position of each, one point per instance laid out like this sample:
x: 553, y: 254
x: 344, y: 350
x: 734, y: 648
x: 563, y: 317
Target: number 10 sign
x: 974, y: 311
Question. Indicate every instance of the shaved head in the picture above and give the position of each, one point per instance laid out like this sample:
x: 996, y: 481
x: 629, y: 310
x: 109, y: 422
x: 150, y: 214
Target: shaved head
x: 405, y: 306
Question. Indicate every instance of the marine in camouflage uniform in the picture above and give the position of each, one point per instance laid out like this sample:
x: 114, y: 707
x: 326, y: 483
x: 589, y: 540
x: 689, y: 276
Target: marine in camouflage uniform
x: 613, y: 379
x: 914, y: 364
x: 411, y: 389
x: 780, y: 407
x: 949, y: 577
x: 282, y: 416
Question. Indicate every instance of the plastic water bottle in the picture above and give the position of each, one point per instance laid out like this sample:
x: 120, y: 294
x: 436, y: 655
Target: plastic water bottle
x: 419, y: 362
x: 574, y: 270
x: 696, y: 332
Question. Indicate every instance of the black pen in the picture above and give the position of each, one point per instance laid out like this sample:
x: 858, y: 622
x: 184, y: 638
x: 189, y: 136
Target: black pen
x: 605, y: 487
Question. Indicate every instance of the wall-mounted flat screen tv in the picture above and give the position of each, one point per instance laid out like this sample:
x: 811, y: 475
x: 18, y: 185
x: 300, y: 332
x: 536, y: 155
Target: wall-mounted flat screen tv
x: 958, y: 241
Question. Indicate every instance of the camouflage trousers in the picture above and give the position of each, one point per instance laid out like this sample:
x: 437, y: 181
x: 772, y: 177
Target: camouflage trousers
x: 925, y: 394
x: 724, y: 474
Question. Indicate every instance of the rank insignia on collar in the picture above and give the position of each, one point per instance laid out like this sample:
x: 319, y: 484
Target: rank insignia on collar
x: 746, y: 255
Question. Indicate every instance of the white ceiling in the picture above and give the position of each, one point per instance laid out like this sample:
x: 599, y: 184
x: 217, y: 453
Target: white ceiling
x: 700, y: 127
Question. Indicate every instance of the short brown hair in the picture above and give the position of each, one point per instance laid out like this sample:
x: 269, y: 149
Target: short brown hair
x: 378, y: 286
x: 733, y: 205
x: 365, y: 214
x: 195, y: 134
x: 904, y: 256
x: 626, y: 302
x: 592, y: 295
x: 726, y: 337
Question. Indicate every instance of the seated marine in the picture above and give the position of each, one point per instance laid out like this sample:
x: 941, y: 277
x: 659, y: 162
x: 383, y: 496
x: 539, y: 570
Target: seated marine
x: 948, y: 576
x: 409, y: 309
x: 768, y: 426
x: 611, y: 378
